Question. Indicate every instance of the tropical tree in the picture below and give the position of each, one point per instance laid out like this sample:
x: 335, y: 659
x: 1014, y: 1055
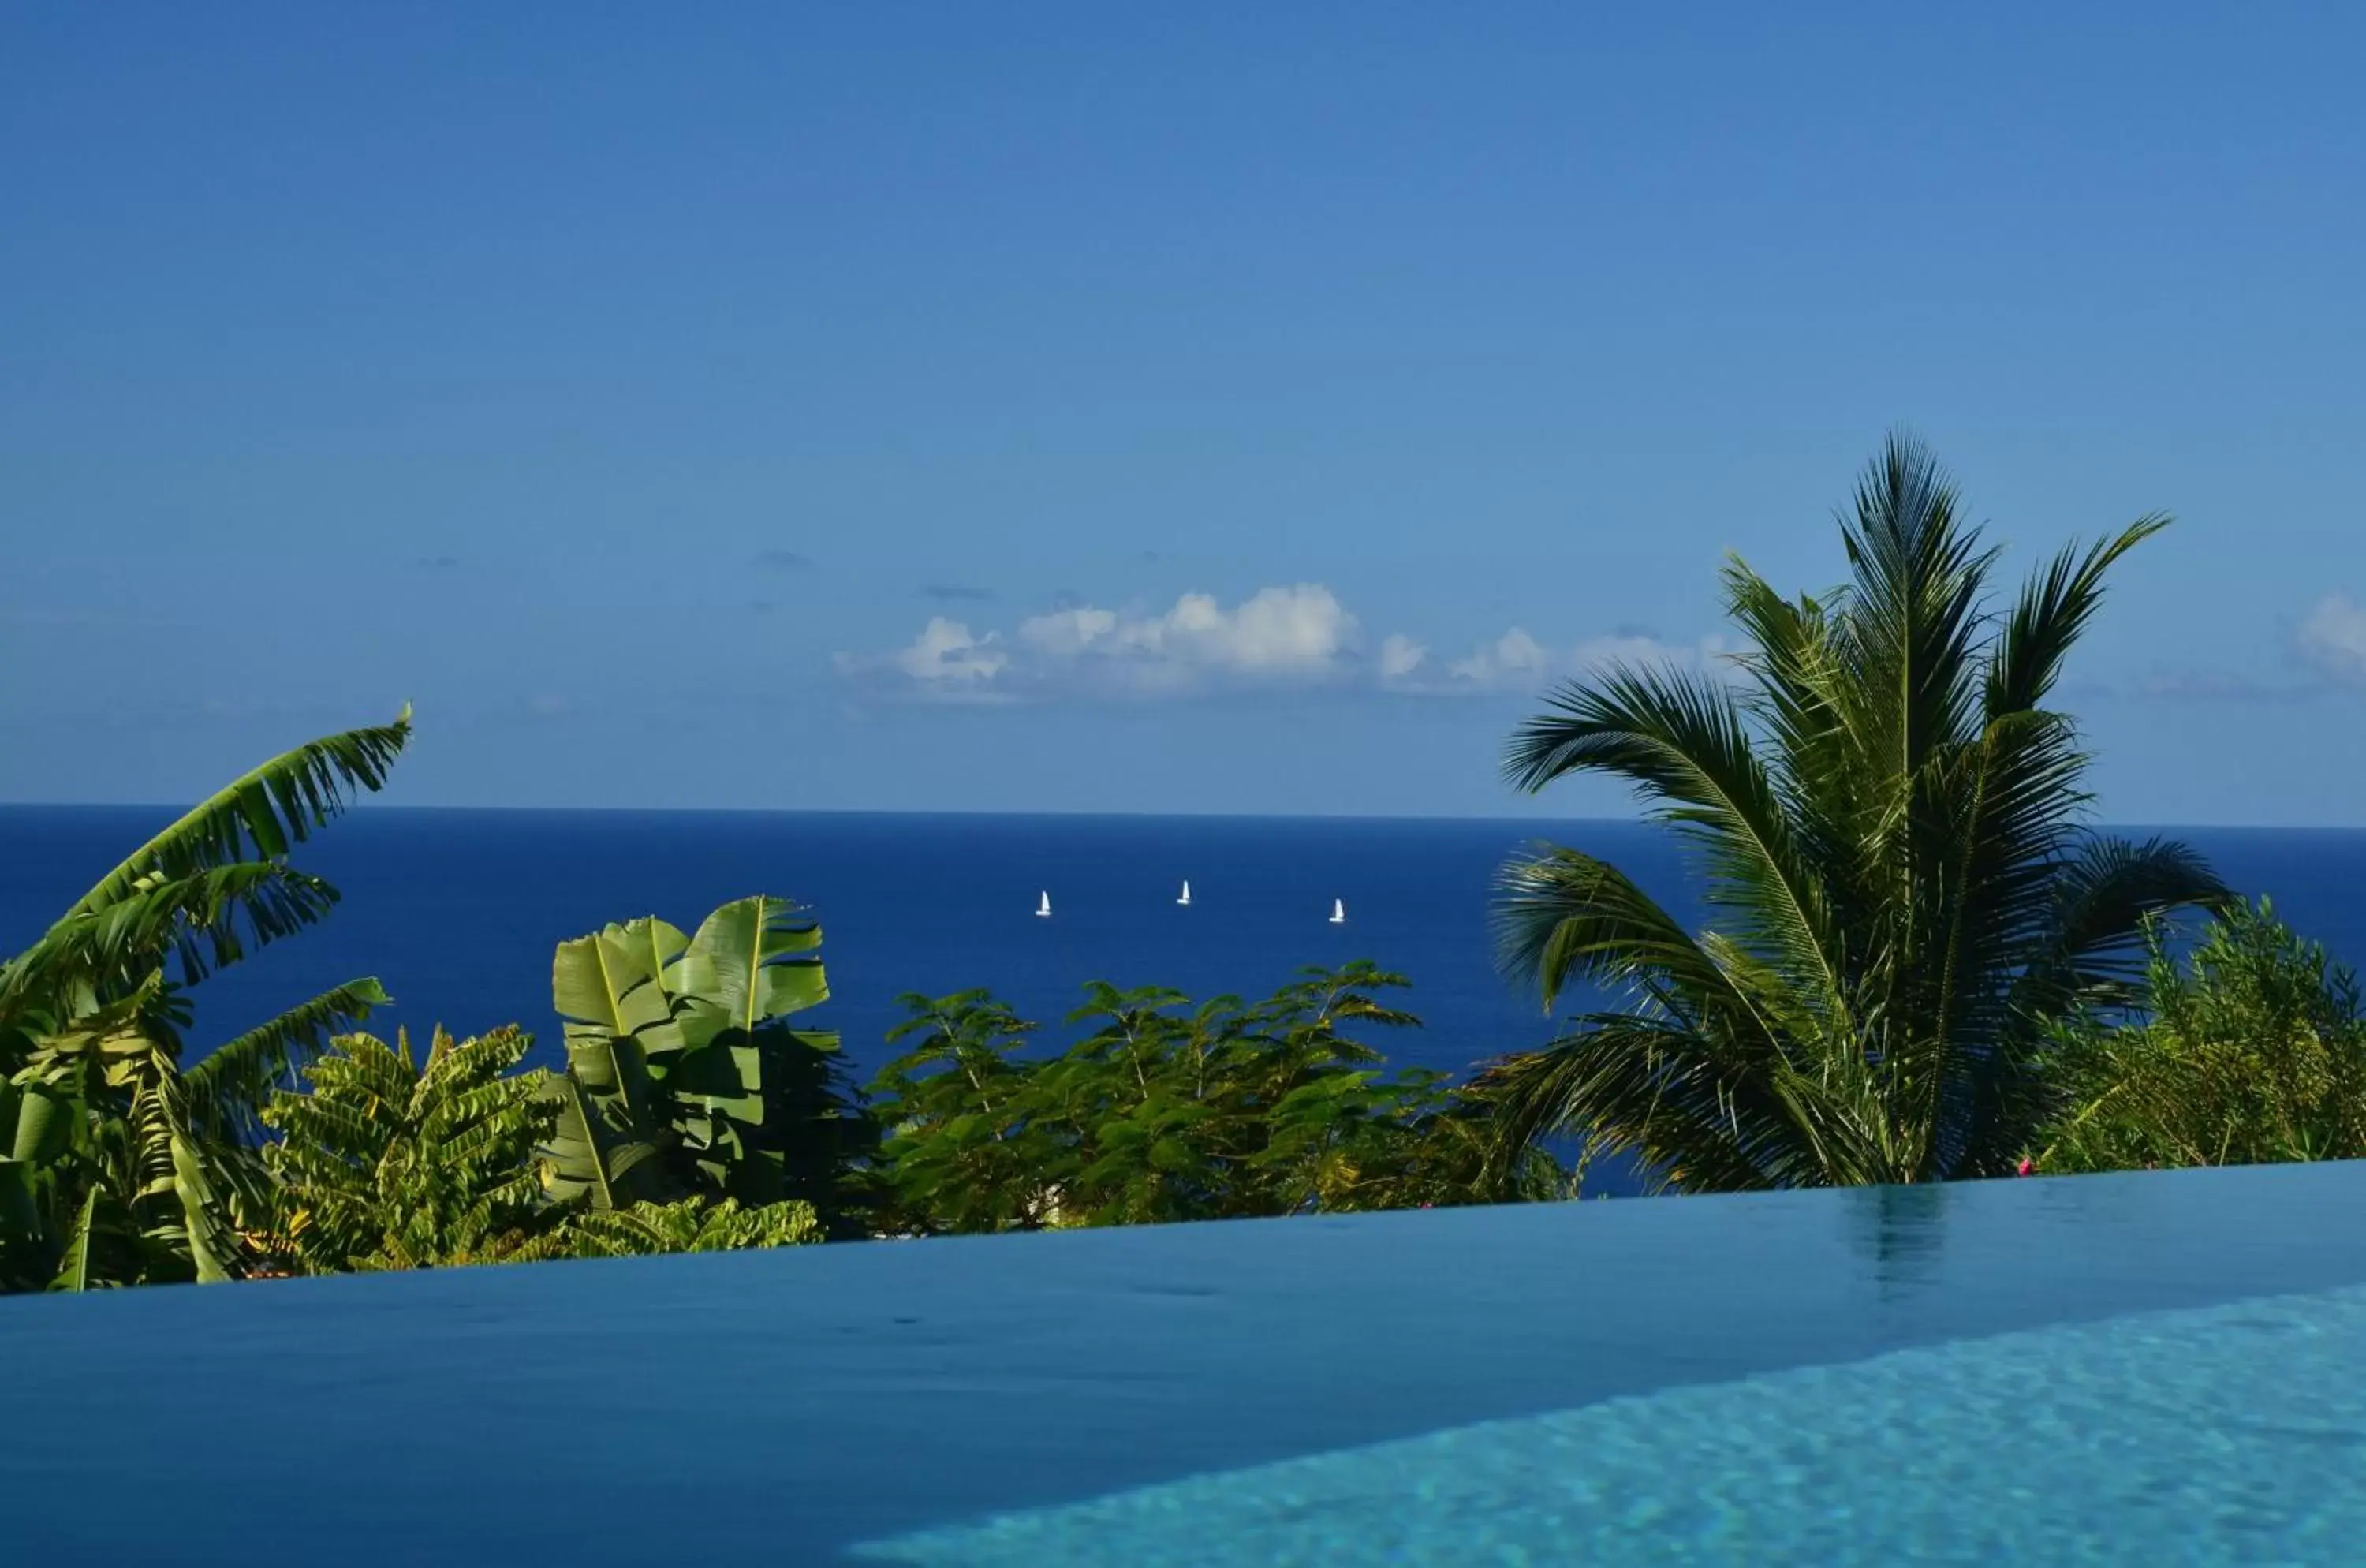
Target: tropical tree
x: 118, y: 1164
x: 684, y: 1078
x: 2251, y: 1049
x: 385, y: 1162
x: 1902, y: 887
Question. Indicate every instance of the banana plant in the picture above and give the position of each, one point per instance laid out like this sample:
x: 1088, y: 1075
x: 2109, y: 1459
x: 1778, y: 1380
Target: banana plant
x: 108, y: 1180
x: 684, y: 1077
x: 119, y: 1164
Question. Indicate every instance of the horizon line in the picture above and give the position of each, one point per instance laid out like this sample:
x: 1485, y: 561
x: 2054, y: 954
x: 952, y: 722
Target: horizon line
x: 374, y: 805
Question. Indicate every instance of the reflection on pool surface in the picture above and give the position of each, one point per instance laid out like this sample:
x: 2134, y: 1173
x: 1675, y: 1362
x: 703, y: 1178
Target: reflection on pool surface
x: 2158, y: 1368
x: 2224, y: 1434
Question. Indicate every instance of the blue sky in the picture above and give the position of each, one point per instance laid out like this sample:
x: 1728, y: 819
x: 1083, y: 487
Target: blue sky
x: 1090, y: 408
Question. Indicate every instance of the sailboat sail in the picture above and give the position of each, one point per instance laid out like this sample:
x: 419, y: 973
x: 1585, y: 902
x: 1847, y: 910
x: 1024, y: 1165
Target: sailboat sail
x: 1338, y: 911
x: 1043, y: 909
x: 1185, y: 898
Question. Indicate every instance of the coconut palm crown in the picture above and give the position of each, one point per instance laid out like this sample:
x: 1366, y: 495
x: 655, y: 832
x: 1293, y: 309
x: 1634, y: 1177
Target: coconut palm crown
x: 1902, y: 888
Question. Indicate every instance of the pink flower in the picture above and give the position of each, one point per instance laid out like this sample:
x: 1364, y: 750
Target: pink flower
x: 2025, y: 1167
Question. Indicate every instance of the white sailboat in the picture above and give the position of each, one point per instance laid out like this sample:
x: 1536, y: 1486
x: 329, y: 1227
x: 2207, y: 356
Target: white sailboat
x: 1043, y: 909
x: 1185, y: 899
x: 1338, y: 911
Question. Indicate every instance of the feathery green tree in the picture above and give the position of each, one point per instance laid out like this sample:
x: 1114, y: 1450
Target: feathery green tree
x: 1169, y: 1111
x: 385, y: 1162
x: 2251, y: 1049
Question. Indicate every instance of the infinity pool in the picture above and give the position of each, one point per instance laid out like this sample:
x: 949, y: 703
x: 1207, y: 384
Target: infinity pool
x: 2160, y: 1369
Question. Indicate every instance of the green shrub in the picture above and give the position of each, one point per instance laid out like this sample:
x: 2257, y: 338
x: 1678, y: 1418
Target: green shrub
x: 2250, y: 1050
x: 1166, y: 1111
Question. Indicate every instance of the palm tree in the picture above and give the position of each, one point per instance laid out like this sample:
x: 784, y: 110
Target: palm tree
x: 117, y: 1164
x: 1902, y: 889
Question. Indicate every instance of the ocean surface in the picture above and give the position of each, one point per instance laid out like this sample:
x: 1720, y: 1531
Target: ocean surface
x: 456, y: 911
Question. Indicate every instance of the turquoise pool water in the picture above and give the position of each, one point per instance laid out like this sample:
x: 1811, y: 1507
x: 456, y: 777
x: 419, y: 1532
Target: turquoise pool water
x: 2157, y: 1370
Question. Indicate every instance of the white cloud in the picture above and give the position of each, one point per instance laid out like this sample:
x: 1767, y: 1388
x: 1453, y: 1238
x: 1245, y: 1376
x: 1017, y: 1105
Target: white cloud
x: 1300, y: 635
x: 947, y: 660
x: 1399, y: 657
x: 1300, y: 632
x: 1517, y: 662
x: 1515, y: 658
x: 1297, y: 630
x: 2332, y: 636
x: 945, y: 650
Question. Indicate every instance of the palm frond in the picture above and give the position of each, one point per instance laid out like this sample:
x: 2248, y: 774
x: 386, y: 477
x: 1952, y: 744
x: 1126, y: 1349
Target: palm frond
x: 2053, y: 608
x: 228, y: 1090
x: 1911, y: 612
x: 2105, y: 901
x: 1654, y: 1088
x: 1681, y: 740
x: 1562, y: 916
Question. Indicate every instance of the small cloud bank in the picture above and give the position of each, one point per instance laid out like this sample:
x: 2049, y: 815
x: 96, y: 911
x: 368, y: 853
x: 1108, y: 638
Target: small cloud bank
x: 2332, y: 639
x: 1518, y: 662
x: 1299, y: 636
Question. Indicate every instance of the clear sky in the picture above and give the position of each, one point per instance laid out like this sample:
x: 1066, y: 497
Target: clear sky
x: 1126, y: 408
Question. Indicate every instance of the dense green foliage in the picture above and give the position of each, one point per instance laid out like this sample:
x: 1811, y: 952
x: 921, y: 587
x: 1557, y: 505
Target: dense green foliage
x: 1903, y: 896
x: 2252, y: 1049
x: 693, y: 1224
x: 120, y: 1167
x: 1168, y: 1111
x: 684, y: 1079
x: 389, y: 1164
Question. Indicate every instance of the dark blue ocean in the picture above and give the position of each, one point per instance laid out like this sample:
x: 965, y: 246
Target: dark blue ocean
x: 456, y: 911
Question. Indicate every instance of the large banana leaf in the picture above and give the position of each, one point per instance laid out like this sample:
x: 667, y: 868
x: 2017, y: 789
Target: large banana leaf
x: 74, y: 1272
x: 675, y: 1053
x: 624, y: 1032
x: 612, y: 985
x: 605, y: 1150
x: 158, y: 1178
x: 24, y: 1242
x: 753, y: 960
x: 37, y: 1120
